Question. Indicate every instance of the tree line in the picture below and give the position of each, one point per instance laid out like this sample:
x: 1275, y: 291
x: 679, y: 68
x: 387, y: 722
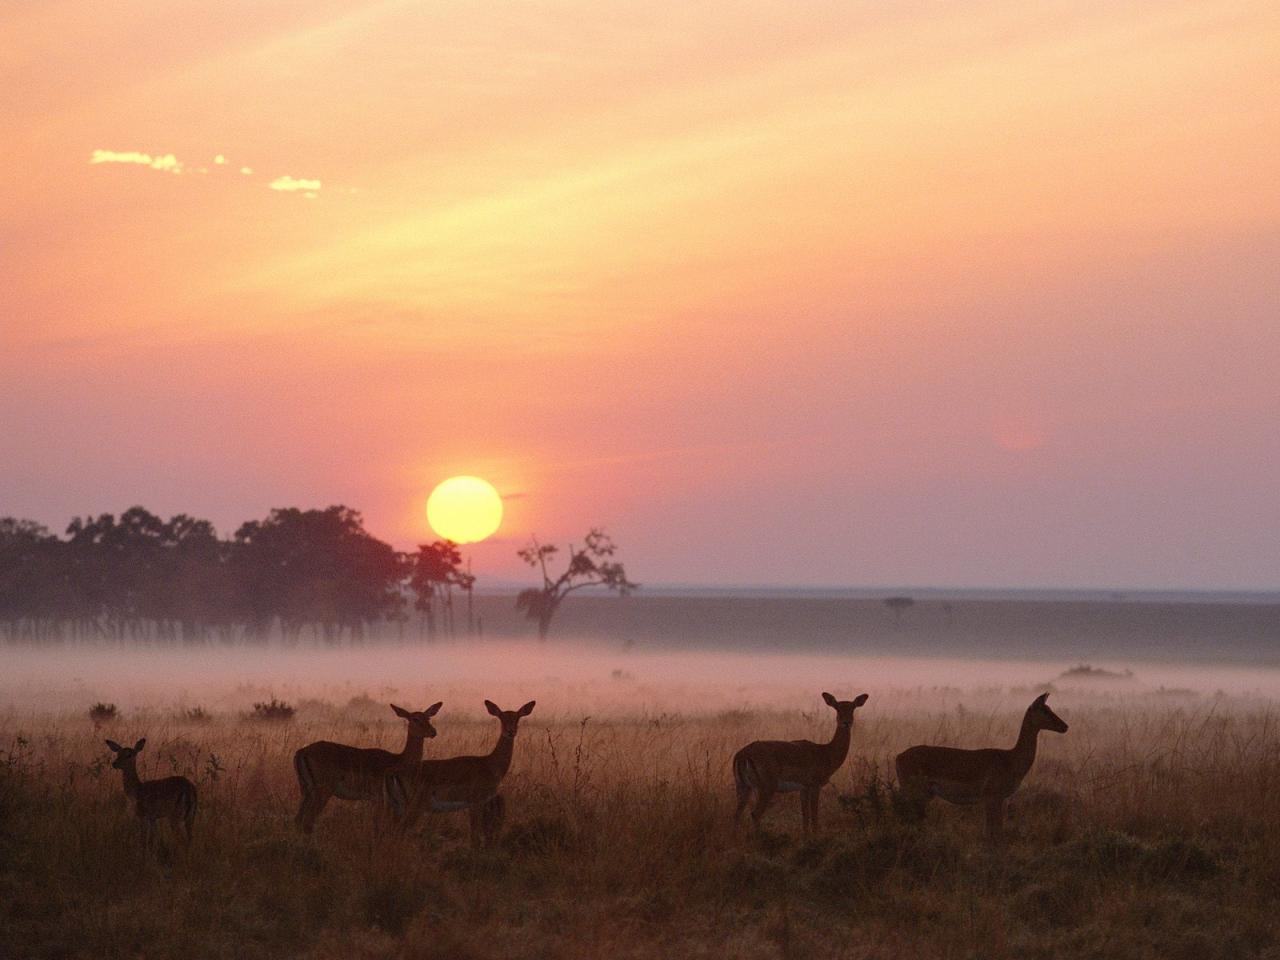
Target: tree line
x: 305, y: 573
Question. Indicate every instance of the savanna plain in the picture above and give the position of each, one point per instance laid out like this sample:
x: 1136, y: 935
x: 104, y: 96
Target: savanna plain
x: 1150, y: 829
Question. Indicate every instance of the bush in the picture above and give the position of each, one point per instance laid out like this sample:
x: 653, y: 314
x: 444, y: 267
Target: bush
x: 274, y: 711
x: 195, y: 715
x: 101, y: 713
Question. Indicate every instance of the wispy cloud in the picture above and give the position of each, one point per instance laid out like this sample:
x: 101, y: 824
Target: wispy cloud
x: 166, y: 162
x: 287, y: 184
x: 169, y: 163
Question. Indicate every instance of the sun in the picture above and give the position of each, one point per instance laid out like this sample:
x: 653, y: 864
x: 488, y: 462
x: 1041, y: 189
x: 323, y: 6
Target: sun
x: 464, y: 509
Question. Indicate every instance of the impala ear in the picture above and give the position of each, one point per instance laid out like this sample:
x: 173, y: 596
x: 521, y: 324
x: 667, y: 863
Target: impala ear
x: 400, y: 712
x: 432, y: 710
x: 492, y: 708
x: 137, y: 747
x: 860, y: 699
x: 115, y: 747
x: 527, y: 708
x: 1039, y: 701
x: 831, y: 701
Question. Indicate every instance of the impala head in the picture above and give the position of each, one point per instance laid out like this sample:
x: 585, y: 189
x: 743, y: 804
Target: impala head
x: 844, y: 708
x: 1042, y: 718
x: 419, y: 722
x: 510, y: 719
x: 125, y: 755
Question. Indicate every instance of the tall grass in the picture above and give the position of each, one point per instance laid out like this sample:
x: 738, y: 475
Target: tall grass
x: 1150, y: 830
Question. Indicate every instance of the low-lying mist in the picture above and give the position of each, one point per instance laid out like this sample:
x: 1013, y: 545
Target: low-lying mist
x: 576, y: 678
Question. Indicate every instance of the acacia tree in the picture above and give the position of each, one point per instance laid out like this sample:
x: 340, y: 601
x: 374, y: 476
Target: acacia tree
x: 589, y: 566
x: 434, y: 571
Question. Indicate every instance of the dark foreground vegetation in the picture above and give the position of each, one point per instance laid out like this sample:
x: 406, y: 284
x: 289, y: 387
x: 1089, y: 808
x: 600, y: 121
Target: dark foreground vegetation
x: 1148, y: 833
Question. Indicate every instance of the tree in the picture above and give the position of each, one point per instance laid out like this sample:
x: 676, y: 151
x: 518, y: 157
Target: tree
x: 316, y: 567
x: 897, y: 605
x: 32, y: 587
x: 590, y: 566
x: 434, y: 571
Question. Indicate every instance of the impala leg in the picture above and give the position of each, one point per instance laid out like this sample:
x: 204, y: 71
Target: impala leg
x: 303, y: 806
x: 915, y: 797
x: 474, y: 813
x: 412, y: 813
x: 744, y: 798
x: 814, y: 795
x: 495, y: 814
x: 318, y: 802
x: 995, y: 819
x: 764, y: 796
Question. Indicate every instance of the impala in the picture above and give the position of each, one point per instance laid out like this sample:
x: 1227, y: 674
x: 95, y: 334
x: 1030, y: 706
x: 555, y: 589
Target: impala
x: 461, y: 783
x: 171, y: 798
x: 327, y: 769
x: 989, y: 777
x: 768, y: 767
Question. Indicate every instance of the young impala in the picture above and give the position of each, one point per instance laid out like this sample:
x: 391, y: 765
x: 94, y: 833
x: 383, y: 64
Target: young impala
x: 172, y: 798
x: 989, y: 776
x: 327, y: 769
x: 461, y: 783
x: 767, y: 767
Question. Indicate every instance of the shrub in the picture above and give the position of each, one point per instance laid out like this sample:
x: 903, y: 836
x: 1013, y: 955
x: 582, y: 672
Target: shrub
x: 196, y: 715
x: 274, y: 711
x: 101, y: 713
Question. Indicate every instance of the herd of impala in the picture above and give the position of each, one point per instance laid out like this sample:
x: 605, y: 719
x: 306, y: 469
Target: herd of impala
x: 410, y: 786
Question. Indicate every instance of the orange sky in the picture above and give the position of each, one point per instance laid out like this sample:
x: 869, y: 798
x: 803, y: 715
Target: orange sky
x: 806, y: 293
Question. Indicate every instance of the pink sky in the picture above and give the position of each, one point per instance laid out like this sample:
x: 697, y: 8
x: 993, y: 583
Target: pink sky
x: 809, y: 293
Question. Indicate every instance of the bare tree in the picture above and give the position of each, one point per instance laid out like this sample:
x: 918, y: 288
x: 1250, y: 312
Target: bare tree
x: 589, y: 566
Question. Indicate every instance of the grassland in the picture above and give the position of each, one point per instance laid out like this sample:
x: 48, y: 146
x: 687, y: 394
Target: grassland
x: 1152, y: 829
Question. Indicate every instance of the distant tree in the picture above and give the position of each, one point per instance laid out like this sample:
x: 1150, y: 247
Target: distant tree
x: 137, y: 576
x: 897, y: 605
x: 319, y: 568
x: 32, y: 580
x: 144, y: 575
x: 434, y: 571
x: 590, y: 566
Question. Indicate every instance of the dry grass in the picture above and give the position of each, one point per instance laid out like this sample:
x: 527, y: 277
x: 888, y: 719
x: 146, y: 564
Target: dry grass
x: 1150, y: 830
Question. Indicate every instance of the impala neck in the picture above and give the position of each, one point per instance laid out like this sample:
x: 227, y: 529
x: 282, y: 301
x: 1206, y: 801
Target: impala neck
x: 500, y: 756
x: 1024, y: 751
x: 412, y: 752
x: 131, y: 781
x: 838, y: 746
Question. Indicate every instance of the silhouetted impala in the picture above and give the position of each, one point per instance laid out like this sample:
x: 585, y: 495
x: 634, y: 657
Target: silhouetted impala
x: 989, y: 776
x: 171, y: 798
x: 461, y: 783
x: 767, y: 767
x: 326, y: 769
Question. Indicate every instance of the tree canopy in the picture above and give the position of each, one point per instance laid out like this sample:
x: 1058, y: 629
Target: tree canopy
x: 591, y: 565
x: 142, y: 577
